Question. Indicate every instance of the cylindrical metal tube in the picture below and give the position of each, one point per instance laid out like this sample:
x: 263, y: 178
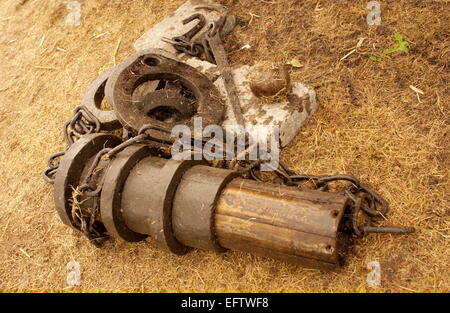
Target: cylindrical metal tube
x: 184, y: 204
x: 194, y: 205
x: 282, y: 222
x: 147, y: 199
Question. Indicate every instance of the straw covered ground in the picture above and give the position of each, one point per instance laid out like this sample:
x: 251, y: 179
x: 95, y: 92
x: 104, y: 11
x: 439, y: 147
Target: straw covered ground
x: 371, y: 124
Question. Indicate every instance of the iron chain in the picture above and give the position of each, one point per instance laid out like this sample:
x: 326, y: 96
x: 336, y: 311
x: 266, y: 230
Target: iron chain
x: 82, y: 123
x: 365, y: 200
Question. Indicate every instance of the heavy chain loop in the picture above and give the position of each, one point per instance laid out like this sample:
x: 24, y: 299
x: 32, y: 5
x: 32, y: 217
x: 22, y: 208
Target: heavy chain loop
x: 82, y: 123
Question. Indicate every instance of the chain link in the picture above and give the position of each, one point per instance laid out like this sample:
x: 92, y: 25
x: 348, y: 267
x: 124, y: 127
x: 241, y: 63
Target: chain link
x: 82, y: 123
x: 365, y: 200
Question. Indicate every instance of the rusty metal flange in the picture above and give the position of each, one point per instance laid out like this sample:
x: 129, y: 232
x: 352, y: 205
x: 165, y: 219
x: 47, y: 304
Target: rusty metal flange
x: 111, y: 197
x: 147, y: 198
x: 194, y: 205
x: 92, y: 100
x: 71, y: 167
x: 143, y: 67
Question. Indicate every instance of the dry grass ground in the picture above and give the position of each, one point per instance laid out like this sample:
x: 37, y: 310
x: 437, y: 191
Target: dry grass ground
x: 371, y: 125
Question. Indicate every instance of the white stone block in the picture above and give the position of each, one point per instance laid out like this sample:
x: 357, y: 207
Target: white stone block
x: 289, y: 117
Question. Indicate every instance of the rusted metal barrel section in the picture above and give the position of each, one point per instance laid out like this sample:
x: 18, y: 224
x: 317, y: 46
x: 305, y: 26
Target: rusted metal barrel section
x: 282, y: 222
x: 182, y: 204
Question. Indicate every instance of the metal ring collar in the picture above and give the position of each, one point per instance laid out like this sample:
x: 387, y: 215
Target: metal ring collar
x: 143, y: 67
